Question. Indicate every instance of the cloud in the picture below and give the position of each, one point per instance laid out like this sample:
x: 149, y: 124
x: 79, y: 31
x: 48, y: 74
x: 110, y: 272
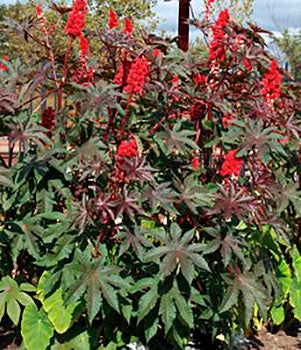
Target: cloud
x: 274, y: 15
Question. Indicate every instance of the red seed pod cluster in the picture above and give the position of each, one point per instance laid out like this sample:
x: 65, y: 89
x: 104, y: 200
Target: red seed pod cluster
x: 128, y: 148
x: 272, y: 83
x: 128, y: 27
x: 217, y: 50
x: 232, y: 165
x: 76, y: 18
x: 137, y: 76
x: 113, y: 20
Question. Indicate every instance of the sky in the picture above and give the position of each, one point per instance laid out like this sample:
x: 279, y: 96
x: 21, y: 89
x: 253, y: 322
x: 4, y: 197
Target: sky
x: 273, y: 15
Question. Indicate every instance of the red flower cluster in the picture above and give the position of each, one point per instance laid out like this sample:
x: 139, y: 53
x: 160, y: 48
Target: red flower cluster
x: 271, y: 83
x: 200, y: 79
x: 232, y: 164
x: 84, y: 47
x: 128, y: 148
x: 128, y: 27
x: 38, y: 10
x: 113, y: 20
x: 195, y: 162
x: 76, y: 19
x: 217, y: 49
x: 3, y: 66
x: 137, y: 76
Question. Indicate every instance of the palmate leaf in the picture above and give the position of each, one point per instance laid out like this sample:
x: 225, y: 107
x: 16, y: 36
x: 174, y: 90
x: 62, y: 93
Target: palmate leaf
x: 252, y: 292
x: 135, y: 239
x: 227, y: 245
x: 162, y: 195
x: 177, y: 250
x: 232, y: 201
x: 171, y: 140
x: 94, y: 280
x: 289, y: 193
x: 11, y: 295
x: 61, y: 250
x: 25, y: 235
x: 193, y: 193
x: 167, y: 311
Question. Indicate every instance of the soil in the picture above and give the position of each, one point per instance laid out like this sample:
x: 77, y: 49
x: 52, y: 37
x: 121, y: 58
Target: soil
x: 279, y: 341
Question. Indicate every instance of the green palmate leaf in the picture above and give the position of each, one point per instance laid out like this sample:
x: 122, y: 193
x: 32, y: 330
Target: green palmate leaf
x: 230, y: 299
x: 252, y: 292
x: 26, y: 236
x: 11, y: 295
x: 95, y: 281
x: 184, y: 307
x: 151, y: 331
x: 167, y: 311
x: 36, y: 329
x: 61, y: 250
x: 147, y: 302
x: 178, y: 251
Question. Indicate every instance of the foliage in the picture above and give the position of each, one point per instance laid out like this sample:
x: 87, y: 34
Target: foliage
x: 159, y: 201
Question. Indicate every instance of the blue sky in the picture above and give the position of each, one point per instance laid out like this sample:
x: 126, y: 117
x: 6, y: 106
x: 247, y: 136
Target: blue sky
x: 272, y: 15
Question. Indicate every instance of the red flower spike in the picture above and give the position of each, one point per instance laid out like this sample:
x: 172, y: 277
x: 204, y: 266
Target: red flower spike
x: 232, y: 165
x: 128, y: 148
x: 272, y: 83
x: 113, y: 19
x: 200, y: 79
x: 137, y: 76
x: 84, y: 46
x: 128, y: 27
x: 195, y: 162
x: 38, y: 10
x: 76, y: 19
x: 217, y: 49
